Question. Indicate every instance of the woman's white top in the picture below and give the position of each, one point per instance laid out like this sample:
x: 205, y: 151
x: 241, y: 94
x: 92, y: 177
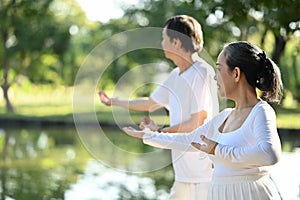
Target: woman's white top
x: 248, y: 150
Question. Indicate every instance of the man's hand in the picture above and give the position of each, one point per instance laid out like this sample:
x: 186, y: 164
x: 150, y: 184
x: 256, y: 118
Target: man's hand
x: 209, y: 146
x: 105, y: 99
x: 148, y: 123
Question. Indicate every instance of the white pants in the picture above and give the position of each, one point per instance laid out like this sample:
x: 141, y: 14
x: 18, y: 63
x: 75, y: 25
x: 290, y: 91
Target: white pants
x: 189, y: 191
x: 243, y: 188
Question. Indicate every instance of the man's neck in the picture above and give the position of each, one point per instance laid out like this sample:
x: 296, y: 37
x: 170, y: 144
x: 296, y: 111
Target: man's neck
x: 185, y: 62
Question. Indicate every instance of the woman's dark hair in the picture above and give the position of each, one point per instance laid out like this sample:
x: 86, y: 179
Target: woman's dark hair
x: 260, y: 71
x: 187, y: 30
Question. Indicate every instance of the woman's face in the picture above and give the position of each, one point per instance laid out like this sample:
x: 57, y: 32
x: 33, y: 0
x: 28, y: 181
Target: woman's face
x: 224, y: 77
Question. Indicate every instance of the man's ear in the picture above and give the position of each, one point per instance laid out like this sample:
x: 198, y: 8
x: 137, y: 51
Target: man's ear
x: 177, y: 43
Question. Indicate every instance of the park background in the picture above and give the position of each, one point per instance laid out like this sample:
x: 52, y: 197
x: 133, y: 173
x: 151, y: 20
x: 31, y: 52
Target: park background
x: 43, y: 45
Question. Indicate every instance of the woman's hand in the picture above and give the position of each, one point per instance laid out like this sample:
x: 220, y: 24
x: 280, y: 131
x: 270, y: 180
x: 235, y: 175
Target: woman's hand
x: 148, y: 123
x: 209, y: 146
x: 134, y: 133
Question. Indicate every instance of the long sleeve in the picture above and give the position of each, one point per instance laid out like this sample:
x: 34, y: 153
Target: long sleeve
x: 180, y: 141
x: 266, y: 147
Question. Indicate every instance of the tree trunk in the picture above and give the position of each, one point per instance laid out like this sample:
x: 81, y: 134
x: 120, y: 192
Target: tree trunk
x: 9, y: 107
x: 263, y: 38
x: 279, y: 48
x: 6, y: 69
x: 6, y: 86
x: 296, y: 92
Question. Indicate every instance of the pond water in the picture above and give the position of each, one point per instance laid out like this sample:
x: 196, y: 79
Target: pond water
x: 55, y: 162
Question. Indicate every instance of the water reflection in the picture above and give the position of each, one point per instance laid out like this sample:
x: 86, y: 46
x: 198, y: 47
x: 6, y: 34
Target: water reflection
x: 52, y: 163
x: 99, y: 182
x: 116, y: 150
x: 286, y: 175
x: 38, y: 162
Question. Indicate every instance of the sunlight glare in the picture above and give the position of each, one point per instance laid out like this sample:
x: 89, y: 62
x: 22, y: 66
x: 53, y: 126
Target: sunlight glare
x: 101, y: 10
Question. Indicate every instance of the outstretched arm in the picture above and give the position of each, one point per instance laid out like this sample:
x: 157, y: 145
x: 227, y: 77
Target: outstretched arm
x: 138, y: 104
x: 181, y: 141
x: 196, y: 120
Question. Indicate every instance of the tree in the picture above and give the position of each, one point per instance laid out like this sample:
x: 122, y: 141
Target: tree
x: 28, y: 30
x: 279, y: 17
x: 225, y: 21
x: 282, y: 20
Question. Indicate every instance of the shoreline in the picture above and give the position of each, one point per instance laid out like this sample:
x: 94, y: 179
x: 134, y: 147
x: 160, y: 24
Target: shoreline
x: 44, y: 122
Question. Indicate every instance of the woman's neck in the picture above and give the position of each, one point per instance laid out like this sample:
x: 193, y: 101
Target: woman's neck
x: 245, y: 95
x: 246, y: 102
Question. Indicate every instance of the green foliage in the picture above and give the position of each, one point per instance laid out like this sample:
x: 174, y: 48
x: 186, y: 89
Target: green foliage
x: 28, y: 31
x: 31, y: 31
x: 47, y: 41
x: 289, y: 65
x: 226, y: 21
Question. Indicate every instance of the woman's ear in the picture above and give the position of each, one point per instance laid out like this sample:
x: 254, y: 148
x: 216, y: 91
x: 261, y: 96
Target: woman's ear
x: 237, y: 73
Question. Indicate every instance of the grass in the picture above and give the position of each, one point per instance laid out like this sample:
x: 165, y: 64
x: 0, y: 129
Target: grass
x: 46, y: 103
x: 288, y: 118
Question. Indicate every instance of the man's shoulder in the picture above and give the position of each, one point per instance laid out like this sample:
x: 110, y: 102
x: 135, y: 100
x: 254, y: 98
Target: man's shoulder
x: 174, y: 71
x: 202, y: 63
x: 203, y: 68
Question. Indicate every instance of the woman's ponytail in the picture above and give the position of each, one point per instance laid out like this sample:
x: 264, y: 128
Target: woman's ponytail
x: 269, y: 79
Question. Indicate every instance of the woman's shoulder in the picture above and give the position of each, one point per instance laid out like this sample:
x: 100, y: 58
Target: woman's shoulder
x: 224, y: 113
x: 263, y: 106
x: 263, y: 110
